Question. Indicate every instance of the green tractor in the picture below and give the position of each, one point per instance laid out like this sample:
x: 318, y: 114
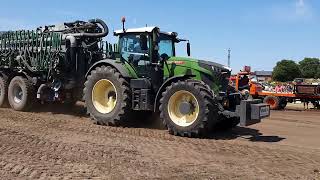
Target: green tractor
x: 192, y: 96
x: 69, y: 62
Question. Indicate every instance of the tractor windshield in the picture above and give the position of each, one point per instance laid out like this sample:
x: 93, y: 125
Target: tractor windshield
x: 166, y: 45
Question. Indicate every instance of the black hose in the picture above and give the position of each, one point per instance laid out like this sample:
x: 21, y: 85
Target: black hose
x: 96, y: 35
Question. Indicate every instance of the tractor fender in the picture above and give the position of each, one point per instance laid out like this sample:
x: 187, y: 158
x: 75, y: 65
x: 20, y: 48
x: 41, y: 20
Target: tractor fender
x: 165, y: 84
x: 109, y: 62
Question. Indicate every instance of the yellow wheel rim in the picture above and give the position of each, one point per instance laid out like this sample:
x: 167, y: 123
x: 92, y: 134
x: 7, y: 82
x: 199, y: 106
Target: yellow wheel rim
x: 104, y: 96
x: 174, y: 110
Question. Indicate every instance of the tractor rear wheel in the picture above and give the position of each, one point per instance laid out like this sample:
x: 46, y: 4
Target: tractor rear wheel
x: 187, y: 108
x: 107, y: 97
x: 273, y: 101
x: 3, y: 92
x: 21, y: 94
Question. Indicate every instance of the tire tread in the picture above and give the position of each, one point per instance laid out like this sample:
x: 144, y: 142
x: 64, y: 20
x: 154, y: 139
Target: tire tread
x: 122, y: 118
x: 210, y: 117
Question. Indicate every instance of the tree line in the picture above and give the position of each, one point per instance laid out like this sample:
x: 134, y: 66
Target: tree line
x: 288, y: 70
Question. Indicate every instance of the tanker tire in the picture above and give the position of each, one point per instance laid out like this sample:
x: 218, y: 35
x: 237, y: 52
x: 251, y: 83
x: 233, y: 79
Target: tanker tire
x: 208, y: 110
x: 119, y: 116
x: 3, y: 92
x: 273, y: 101
x: 21, y: 94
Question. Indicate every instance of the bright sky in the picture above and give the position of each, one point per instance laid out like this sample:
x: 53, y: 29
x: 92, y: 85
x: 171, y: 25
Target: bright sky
x: 259, y: 33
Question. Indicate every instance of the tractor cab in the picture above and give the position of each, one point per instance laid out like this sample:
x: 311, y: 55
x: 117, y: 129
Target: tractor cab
x: 145, y: 48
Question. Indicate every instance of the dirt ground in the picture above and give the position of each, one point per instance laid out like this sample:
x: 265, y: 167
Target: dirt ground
x: 59, y: 145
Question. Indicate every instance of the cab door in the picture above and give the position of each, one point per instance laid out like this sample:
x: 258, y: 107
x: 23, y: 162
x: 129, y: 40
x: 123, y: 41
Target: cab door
x: 135, y: 49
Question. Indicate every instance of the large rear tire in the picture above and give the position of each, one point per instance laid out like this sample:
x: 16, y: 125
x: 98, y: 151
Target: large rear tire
x: 3, y: 92
x: 273, y: 101
x: 107, y: 97
x: 21, y: 94
x: 187, y: 108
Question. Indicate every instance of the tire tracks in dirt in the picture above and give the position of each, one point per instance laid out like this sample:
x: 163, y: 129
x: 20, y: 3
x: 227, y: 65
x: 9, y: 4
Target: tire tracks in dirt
x: 28, y: 130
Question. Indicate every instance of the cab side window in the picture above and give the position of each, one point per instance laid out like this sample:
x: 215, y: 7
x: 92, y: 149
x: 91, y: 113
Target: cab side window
x: 132, y: 49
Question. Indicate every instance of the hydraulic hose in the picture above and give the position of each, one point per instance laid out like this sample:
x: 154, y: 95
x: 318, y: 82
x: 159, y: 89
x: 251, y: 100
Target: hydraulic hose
x: 104, y: 33
x: 104, y: 26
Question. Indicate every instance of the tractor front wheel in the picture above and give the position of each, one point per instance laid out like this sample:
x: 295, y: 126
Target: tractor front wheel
x: 188, y: 109
x: 107, y: 97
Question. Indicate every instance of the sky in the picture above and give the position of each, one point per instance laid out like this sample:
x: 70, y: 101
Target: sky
x: 259, y: 33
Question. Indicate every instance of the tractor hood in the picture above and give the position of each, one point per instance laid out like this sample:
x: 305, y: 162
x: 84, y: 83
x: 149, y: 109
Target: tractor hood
x: 220, y: 67
x: 214, y: 74
x: 195, y: 64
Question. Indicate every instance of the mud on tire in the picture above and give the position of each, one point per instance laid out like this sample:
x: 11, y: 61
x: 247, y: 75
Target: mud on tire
x: 207, y: 114
x: 21, y: 94
x: 122, y: 109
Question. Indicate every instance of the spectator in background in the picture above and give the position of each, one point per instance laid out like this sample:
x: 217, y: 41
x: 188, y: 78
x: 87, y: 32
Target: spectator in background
x: 289, y: 88
x: 277, y: 88
x: 281, y: 88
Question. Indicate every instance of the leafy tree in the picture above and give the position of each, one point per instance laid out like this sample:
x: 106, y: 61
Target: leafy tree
x: 286, y: 70
x: 318, y: 73
x: 309, y: 67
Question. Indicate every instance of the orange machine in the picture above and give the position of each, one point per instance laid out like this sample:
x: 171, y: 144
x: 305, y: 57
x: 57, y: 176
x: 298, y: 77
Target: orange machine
x: 276, y: 100
x: 246, y: 85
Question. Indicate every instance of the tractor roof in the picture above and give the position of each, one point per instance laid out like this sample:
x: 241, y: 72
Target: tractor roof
x: 141, y: 30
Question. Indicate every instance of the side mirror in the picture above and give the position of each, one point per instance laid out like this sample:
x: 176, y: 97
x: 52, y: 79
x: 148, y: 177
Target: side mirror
x: 156, y: 35
x: 143, y: 42
x: 155, y: 40
x: 188, y: 49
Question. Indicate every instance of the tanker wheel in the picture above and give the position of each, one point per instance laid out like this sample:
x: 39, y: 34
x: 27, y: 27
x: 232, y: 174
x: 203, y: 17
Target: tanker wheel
x: 273, y: 101
x: 187, y: 109
x: 107, y: 97
x: 3, y: 92
x: 21, y: 94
